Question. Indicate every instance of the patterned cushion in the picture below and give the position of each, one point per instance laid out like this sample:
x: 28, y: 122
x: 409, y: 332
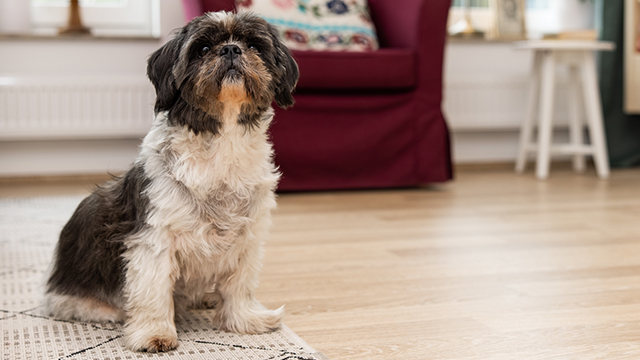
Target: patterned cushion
x: 318, y: 24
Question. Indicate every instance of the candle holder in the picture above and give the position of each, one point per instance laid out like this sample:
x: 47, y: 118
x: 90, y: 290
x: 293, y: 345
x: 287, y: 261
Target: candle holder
x: 74, y: 27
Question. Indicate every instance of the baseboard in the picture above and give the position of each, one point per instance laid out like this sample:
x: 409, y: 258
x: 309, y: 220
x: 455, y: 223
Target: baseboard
x: 493, y: 146
x: 69, y: 157
x: 96, y: 178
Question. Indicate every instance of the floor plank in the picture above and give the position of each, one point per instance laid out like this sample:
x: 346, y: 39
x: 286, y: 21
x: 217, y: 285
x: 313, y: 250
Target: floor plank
x: 490, y: 266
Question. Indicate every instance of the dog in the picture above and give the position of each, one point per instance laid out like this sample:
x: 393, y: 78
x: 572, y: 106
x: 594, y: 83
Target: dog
x: 183, y: 227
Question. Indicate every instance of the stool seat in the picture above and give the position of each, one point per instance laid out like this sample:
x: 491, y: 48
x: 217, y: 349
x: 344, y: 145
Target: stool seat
x: 579, y: 56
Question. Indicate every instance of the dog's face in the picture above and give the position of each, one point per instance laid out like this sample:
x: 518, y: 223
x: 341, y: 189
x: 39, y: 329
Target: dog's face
x: 222, y: 60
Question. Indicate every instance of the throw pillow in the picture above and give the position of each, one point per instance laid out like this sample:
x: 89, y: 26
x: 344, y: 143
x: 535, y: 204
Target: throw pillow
x: 318, y: 24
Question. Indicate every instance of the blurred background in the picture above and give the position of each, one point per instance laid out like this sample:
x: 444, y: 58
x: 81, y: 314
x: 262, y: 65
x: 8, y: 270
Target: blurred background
x: 489, y: 264
x: 80, y: 104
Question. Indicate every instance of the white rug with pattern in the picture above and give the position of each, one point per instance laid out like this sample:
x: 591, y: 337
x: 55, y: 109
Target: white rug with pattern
x: 29, y: 229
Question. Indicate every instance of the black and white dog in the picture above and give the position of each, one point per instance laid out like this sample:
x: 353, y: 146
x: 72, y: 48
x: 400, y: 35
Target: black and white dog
x: 192, y: 212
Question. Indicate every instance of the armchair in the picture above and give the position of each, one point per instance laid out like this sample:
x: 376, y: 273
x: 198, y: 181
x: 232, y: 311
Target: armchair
x: 366, y: 119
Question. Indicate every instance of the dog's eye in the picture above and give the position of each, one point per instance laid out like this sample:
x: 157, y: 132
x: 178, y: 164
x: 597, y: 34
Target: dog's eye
x: 254, y: 47
x: 203, y: 50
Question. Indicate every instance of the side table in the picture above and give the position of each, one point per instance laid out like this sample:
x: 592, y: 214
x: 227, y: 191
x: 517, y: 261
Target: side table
x: 580, y: 57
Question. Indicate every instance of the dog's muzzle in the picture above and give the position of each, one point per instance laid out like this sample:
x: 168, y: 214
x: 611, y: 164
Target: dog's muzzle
x: 230, y: 52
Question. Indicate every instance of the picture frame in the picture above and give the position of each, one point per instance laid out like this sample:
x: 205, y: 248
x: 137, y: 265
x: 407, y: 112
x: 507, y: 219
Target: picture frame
x: 509, y: 19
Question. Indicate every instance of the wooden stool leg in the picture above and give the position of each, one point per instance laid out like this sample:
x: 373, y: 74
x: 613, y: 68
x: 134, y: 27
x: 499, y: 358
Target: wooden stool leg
x: 526, y: 129
x: 575, y: 129
x: 594, y: 114
x: 546, y: 112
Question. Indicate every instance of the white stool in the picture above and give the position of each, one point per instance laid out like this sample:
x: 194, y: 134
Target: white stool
x: 580, y: 57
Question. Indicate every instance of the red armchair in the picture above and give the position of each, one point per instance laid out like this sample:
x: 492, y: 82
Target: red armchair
x: 366, y: 119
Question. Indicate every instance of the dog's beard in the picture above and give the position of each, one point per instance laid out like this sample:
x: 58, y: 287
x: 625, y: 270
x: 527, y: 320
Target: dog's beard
x: 232, y: 74
x: 232, y: 88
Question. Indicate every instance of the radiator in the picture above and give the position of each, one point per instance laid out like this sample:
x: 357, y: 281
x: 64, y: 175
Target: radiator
x: 82, y: 107
x: 481, y: 102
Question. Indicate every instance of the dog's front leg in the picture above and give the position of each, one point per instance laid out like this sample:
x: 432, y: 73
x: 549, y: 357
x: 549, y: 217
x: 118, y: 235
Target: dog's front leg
x: 240, y: 311
x: 150, y: 280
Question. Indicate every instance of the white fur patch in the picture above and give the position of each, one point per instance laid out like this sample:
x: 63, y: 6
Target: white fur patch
x: 83, y: 309
x: 220, y: 16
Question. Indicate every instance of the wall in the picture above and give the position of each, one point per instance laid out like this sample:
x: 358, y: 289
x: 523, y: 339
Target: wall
x: 485, y: 90
x: 81, y: 61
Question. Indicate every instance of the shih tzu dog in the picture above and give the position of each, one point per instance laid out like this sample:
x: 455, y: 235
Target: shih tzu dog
x: 191, y: 213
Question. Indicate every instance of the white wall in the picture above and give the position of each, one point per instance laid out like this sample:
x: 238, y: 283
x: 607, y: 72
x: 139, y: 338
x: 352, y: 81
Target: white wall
x: 85, y: 56
x: 485, y: 91
x: 77, y: 59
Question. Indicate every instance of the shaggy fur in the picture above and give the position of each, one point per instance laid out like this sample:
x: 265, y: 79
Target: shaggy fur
x: 183, y: 227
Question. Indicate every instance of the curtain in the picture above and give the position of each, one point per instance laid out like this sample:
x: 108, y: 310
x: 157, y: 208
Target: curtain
x: 623, y: 130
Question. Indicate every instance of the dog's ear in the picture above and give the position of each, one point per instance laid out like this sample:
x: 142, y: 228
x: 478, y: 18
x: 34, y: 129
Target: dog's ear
x: 287, y: 71
x: 160, y: 72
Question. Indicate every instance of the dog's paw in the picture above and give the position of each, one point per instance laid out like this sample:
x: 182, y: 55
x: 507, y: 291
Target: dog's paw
x: 159, y: 344
x: 143, y: 341
x: 155, y: 344
x: 251, y: 320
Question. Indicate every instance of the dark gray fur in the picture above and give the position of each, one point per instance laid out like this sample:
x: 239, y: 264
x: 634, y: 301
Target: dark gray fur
x: 88, y: 257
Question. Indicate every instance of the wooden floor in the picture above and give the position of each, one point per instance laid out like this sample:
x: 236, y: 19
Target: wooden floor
x: 491, y: 266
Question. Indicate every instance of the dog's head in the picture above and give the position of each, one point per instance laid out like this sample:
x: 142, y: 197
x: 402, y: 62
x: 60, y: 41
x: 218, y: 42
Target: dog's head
x: 222, y: 60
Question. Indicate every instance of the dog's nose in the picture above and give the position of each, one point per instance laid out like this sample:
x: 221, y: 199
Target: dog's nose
x: 230, y: 51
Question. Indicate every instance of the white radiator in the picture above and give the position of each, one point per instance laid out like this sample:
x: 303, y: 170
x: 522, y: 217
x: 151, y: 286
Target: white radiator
x: 82, y: 107
x: 494, y: 102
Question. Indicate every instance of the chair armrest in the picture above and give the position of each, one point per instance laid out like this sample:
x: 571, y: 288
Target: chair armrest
x: 192, y: 9
x: 409, y: 23
x: 218, y: 5
x: 420, y: 25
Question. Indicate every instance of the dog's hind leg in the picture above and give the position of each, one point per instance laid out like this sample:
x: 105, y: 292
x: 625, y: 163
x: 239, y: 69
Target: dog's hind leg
x: 71, y: 307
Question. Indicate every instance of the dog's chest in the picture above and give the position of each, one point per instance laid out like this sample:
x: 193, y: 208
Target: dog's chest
x: 204, y: 163
x: 228, y: 181
x: 224, y: 176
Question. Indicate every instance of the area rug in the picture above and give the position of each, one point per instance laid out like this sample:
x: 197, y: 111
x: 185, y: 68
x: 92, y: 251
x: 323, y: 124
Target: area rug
x: 29, y: 228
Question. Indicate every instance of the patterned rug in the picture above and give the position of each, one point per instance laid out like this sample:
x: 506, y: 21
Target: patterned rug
x: 29, y: 228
